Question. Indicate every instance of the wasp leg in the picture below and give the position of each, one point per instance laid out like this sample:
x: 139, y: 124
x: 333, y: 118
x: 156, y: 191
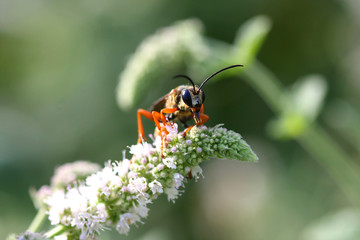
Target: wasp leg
x: 148, y: 115
x: 202, y: 109
x: 203, y: 119
x: 157, y: 118
x: 161, y: 117
x: 166, y: 111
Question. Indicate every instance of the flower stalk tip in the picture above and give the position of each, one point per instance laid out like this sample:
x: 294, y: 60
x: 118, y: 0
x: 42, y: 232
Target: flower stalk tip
x: 119, y: 194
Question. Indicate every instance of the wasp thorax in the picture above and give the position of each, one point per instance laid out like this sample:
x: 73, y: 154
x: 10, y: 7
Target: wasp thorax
x: 193, y: 98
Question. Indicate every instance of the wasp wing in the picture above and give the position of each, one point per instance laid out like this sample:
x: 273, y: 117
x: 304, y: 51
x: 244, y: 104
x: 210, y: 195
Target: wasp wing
x: 159, y: 104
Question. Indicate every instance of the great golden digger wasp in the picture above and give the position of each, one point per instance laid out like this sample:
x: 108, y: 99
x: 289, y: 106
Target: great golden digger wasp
x: 182, y: 103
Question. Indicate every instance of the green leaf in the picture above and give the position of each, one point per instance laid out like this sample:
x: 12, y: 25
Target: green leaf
x: 250, y: 38
x: 305, y: 100
x: 308, y: 95
x: 287, y: 126
x: 162, y: 52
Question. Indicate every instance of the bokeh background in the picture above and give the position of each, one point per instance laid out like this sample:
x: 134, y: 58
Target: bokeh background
x: 59, y: 68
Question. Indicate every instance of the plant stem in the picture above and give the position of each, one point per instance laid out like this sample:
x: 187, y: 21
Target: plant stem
x: 314, y: 139
x: 37, y: 221
x: 267, y: 85
x: 55, y: 231
x: 322, y: 147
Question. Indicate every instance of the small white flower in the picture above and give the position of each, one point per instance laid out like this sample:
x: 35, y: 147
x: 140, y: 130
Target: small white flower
x: 160, y: 166
x: 173, y: 149
x: 122, y: 167
x: 196, y: 172
x: 137, y: 184
x: 156, y: 187
x: 124, y: 189
x: 142, y: 149
x: 61, y: 237
x: 57, y: 204
x: 140, y: 210
x: 170, y: 162
x: 70, y: 172
x: 132, y: 174
x: 31, y: 236
x: 43, y: 193
x: 126, y: 219
x: 90, y: 194
x: 104, y: 180
x: 90, y: 222
x: 172, y: 193
x: 123, y: 226
x: 96, y: 182
x: 157, y: 142
x: 76, y: 201
x: 143, y: 199
x: 172, y: 128
x: 178, y: 180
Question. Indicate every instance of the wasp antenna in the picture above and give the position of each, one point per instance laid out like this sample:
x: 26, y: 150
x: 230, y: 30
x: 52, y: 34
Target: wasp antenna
x: 232, y: 66
x: 184, y: 76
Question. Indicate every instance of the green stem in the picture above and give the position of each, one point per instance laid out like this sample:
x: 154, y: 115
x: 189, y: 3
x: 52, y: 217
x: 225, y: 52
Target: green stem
x: 322, y: 147
x: 55, y: 231
x: 314, y: 139
x: 267, y: 85
x: 38, y: 221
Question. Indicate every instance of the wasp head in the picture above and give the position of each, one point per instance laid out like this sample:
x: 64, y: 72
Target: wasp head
x: 193, y: 99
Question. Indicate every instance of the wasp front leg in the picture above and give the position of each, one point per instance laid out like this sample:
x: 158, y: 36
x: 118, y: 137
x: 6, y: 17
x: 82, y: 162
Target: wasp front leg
x: 203, y: 119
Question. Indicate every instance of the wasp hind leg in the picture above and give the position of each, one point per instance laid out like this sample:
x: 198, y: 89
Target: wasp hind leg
x: 148, y: 115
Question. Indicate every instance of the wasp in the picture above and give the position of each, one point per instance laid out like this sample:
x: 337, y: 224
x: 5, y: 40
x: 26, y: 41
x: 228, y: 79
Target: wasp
x: 182, y: 103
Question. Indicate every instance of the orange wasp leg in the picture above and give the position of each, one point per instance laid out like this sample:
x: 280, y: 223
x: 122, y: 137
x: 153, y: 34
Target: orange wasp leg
x: 148, y: 115
x: 203, y: 119
x: 166, y: 111
x: 156, y: 117
x: 202, y: 109
x: 161, y: 117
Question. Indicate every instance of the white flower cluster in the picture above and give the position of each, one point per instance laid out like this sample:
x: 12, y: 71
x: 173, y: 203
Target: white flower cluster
x: 70, y: 172
x: 118, y: 195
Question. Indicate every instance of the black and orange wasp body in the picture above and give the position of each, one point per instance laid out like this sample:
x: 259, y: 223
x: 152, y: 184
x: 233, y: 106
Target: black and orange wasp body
x: 182, y: 103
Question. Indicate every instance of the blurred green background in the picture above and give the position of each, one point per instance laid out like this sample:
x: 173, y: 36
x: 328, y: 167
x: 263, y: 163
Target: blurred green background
x: 59, y: 68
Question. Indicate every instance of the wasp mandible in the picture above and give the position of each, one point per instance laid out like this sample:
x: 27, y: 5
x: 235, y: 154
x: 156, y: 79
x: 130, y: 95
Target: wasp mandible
x: 182, y: 103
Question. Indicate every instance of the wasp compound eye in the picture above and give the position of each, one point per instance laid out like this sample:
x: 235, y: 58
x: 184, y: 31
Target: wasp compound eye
x: 186, y: 97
